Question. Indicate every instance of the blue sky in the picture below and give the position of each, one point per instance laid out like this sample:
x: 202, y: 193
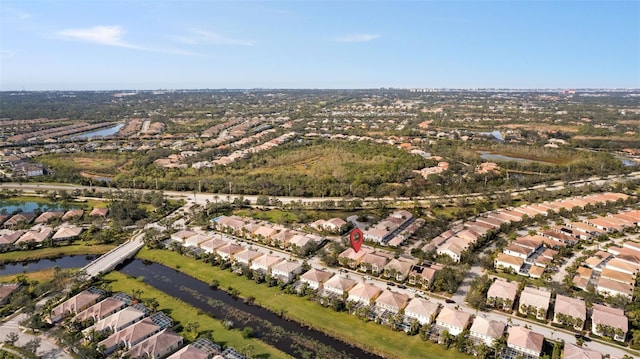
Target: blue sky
x: 139, y: 44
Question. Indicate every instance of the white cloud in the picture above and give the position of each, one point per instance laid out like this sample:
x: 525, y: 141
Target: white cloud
x: 198, y: 36
x: 113, y: 36
x: 12, y: 13
x: 358, y: 38
x: 103, y: 35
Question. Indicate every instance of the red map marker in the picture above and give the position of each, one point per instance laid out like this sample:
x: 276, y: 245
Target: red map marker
x: 356, y: 237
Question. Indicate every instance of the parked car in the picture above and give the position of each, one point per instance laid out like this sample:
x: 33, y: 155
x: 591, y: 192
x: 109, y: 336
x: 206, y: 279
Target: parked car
x: 449, y: 300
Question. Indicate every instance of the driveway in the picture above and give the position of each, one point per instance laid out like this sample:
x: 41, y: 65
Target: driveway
x: 47, y: 349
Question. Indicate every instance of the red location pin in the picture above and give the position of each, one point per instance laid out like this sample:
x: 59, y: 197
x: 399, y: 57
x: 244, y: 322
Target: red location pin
x: 356, y: 238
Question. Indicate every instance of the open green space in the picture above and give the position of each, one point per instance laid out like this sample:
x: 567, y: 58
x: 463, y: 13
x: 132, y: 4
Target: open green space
x: 368, y: 335
x: 185, y: 313
x: 38, y: 276
x: 53, y: 252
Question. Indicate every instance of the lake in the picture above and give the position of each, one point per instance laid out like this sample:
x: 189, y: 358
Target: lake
x: 101, y: 133
x: 498, y: 157
x: 10, y: 207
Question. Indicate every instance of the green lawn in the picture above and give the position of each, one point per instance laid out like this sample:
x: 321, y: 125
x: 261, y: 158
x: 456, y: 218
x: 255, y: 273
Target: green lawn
x: 185, y: 313
x: 373, y: 337
x: 52, y: 252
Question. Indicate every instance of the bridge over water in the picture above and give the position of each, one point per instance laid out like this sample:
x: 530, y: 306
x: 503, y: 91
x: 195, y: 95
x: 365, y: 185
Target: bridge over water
x: 111, y: 259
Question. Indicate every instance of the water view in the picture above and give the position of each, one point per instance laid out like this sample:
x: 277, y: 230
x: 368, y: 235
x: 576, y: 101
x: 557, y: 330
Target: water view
x: 63, y: 263
x: 11, y: 207
x: 101, y: 133
x: 498, y: 157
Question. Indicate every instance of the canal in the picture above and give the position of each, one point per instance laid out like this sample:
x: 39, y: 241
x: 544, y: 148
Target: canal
x: 287, y: 336
x: 66, y: 262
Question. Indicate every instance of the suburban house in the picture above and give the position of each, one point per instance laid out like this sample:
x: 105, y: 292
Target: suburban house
x: 117, y: 321
x: 286, y: 271
x: 364, y: 293
x: 525, y: 341
x: 570, y: 311
x: 130, y: 335
x: 45, y: 217
x: 67, y: 232
x: 212, y: 245
x: 100, y: 310
x: 72, y: 214
x: 398, y: 269
x: 265, y: 263
x: 315, y: 278
x: 422, y: 275
x: 157, y: 346
x: 373, y: 263
x: 486, y: 331
x: 506, y: 261
x: 609, y: 322
x: 6, y: 289
x: 8, y: 237
x: 534, y: 301
x: 181, y: 236
x: 502, y: 294
x: 35, y: 235
x: 350, y: 258
x: 229, y: 251
x: 608, y: 287
x: 246, y: 257
x: 338, y: 285
x: 202, y: 348
x: 99, y: 212
x: 197, y: 239
x: 73, y: 305
x: 452, y: 320
x: 392, y: 301
x: 17, y: 219
x: 421, y: 310
x: 572, y: 351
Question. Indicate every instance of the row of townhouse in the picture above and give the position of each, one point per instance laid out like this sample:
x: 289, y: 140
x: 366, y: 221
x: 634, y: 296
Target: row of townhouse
x: 566, y: 310
x: 528, y: 255
x: 11, y: 221
x: 394, y: 230
x: 612, y: 272
x: 131, y: 330
x: 267, y: 233
x: 227, y: 250
x: 456, y: 241
x: 425, y: 312
x: 39, y: 233
x: 383, y: 263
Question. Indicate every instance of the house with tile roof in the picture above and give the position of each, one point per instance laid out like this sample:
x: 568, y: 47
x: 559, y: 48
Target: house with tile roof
x: 210, y: 246
x: 100, y: 310
x: 570, y: 311
x: 156, y: 346
x: 67, y: 232
x: 452, y: 320
x: 525, y: 342
x: 364, y: 293
x: 612, y: 288
x: 246, y: 257
x: 534, y: 301
x: 506, y: 261
x: 423, y: 275
x: 502, y: 294
x: 572, y: 351
x: 315, y: 278
x: 398, y: 269
x: 421, y: 310
x: 286, y: 270
x: 392, y: 301
x: 338, y: 285
x: 73, y: 305
x: 486, y: 331
x: 264, y: 263
x: 229, y: 251
x: 117, y: 321
x: 130, y: 336
x: 72, y: 214
x: 372, y: 262
x: 609, y: 322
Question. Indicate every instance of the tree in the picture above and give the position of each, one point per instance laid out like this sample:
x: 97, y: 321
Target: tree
x: 12, y: 338
x: 32, y: 345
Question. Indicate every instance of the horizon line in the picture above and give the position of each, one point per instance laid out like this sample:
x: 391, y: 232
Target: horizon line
x: 340, y: 88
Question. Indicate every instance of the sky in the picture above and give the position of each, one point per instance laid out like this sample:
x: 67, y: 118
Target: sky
x: 144, y: 44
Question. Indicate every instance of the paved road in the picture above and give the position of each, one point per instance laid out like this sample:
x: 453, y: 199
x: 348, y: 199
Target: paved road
x: 107, y: 261
x: 48, y: 349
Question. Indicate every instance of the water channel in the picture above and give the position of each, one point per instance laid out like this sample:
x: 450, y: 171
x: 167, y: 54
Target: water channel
x: 287, y: 336
x: 63, y: 263
x: 10, y: 207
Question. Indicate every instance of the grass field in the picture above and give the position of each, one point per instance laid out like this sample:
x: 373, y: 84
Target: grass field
x: 52, y: 252
x: 368, y: 335
x: 183, y: 312
x: 40, y: 276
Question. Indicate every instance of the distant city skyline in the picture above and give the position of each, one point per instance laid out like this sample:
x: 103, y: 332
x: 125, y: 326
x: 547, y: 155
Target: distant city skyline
x: 143, y: 45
